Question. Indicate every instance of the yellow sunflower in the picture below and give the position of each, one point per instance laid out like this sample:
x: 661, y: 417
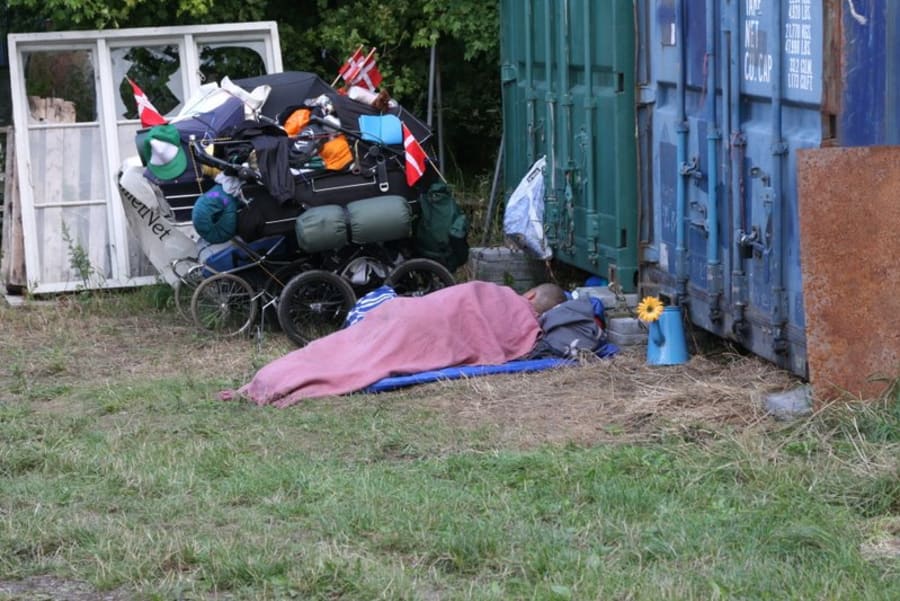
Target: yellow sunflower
x: 649, y: 309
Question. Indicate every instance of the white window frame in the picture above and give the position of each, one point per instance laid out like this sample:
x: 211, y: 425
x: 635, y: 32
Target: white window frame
x: 189, y: 39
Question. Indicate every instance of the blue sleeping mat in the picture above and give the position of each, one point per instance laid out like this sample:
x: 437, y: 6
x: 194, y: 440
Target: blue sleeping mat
x: 466, y: 371
x: 470, y: 371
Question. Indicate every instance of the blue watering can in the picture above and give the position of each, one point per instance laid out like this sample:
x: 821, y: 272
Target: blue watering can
x: 665, y: 340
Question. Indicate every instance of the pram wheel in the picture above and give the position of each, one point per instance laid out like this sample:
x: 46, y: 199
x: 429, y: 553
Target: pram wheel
x: 224, y: 304
x: 276, y: 283
x: 184, y: 289
x: 418, y: 277
x: 313, y: 304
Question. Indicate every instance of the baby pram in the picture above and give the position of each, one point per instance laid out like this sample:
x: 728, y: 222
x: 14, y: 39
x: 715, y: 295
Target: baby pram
x: 302, y: 246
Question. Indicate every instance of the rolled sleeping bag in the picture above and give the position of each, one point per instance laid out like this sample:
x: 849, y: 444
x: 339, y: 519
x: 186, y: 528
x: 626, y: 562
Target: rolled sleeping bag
x: 321, y: 228
x: 215, y: 215
x: 380, y: 219
x: 376, y: 219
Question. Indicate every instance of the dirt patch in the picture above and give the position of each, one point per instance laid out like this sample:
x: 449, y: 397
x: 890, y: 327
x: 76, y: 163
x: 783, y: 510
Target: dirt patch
x: 49, y: 588
x: 65, y: 344
x: 884, y: 544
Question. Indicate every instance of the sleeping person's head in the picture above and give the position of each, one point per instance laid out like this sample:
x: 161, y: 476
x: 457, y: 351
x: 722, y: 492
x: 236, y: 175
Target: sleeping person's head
x: 544, y: 297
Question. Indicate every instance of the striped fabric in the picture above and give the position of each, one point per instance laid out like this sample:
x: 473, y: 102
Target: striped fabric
x: 368, y: 302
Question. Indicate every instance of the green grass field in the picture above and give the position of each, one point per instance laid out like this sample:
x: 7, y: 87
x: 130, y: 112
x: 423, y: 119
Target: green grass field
x: 128, y: 477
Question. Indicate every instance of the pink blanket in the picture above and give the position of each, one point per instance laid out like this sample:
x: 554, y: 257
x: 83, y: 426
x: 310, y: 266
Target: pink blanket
x: 475, y: 323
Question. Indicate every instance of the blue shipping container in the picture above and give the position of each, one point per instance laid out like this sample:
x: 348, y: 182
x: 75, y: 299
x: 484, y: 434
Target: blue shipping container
x: 726, y: 93
x: 732, y: 90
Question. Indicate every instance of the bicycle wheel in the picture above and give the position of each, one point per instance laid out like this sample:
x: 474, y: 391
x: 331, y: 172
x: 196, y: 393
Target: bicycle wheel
x: 313, y: 304
x: 224, y: 304
x: 184, y: 289
x: 418, y: 277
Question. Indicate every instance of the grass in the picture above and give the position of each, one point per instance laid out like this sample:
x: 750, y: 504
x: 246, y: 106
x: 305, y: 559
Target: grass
x: 127, y: 475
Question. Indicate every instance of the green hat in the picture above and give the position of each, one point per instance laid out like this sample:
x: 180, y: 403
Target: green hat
x: 163, y: 153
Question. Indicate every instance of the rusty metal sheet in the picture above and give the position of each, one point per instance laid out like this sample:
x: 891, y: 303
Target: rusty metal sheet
x: 849, y: 211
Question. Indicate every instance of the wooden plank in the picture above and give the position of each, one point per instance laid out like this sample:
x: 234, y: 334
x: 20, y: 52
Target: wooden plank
x: 12, y: 263
x: 51, y: 110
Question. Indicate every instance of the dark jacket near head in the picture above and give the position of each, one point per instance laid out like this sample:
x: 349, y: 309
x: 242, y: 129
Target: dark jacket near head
x: 569, y: 329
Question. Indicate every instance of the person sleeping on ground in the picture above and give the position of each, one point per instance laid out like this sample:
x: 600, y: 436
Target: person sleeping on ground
x: 473, y: 323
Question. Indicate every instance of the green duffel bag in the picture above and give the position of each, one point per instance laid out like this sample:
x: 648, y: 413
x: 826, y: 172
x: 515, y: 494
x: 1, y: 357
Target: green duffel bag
x: 376, y: 219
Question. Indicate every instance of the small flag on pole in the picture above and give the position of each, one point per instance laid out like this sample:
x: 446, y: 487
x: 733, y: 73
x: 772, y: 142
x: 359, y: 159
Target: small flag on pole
x: 147, y: 113
x: 350, y: 64
x: 415, y: 157
x: 366, y: 73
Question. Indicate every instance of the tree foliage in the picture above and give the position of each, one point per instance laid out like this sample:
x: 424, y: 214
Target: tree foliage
x: 317, y: 35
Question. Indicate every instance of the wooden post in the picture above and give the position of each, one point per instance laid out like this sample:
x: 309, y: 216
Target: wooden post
x: 12, y: 262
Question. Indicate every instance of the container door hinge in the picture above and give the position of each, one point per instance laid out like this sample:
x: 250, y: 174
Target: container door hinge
x: 740, y: 328
x: 592, y: 223
x: 691, y: 168
x: 508, y: 73
x: 751, y: 244
x: 714, y: 283
x: 646, y: 95
x: 779, y: 343
x: 715, y: 310
x: 738, y: 140
x: 551, y: 216
x: 570, y: 214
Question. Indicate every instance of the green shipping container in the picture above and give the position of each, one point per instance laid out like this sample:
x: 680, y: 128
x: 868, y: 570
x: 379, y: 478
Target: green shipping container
x: 568, y: 76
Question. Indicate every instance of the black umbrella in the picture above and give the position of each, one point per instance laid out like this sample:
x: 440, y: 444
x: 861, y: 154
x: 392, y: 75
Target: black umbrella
x: 293, y: 88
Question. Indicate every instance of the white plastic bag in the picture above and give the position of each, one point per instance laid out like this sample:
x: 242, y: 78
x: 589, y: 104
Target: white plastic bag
x: 523, y: 219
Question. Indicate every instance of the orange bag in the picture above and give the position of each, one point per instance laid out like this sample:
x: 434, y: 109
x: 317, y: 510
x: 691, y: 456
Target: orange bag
x: 336, y: 153
x: 297, y: 121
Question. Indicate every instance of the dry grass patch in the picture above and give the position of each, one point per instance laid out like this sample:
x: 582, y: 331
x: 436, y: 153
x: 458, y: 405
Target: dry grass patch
x: 621, y: 399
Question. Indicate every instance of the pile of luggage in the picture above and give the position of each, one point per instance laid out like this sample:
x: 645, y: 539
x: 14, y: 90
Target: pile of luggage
x: 281, y: 176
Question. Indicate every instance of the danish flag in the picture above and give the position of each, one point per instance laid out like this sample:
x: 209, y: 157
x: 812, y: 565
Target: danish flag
x: 415, y: 157
x: 147, y: 112
x: 366, y: 74
x: 351, y: 64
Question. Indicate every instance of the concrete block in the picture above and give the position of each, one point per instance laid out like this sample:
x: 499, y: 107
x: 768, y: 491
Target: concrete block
x: 608, y: 298
x: 626, y: 331
x: 626, y: 325
x: 622, y: 340
x: 791, y: 404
